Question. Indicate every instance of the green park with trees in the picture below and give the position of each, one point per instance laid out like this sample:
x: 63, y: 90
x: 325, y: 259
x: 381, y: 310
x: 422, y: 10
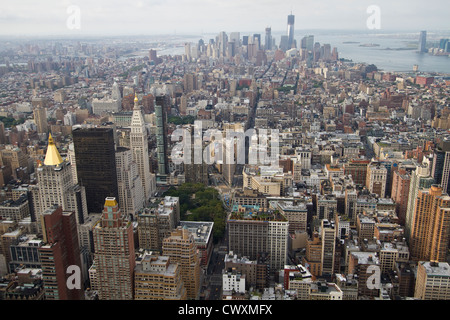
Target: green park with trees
x: 200, y: 203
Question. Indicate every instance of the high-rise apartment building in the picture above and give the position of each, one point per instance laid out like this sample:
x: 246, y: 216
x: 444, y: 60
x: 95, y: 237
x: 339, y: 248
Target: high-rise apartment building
x: 139, y: 148
x: 180, y: 247
x: 430, y: 225
x: 420, y: 179
x: 60, y: 249
x: 96, y: 165
x: 114, y: 259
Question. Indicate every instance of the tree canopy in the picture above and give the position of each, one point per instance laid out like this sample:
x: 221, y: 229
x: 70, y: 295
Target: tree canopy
x: 200, y: 203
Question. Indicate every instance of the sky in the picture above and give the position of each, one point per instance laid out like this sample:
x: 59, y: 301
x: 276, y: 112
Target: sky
x: 158, y: 17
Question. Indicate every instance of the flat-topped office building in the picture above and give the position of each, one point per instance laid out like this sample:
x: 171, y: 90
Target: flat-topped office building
x: 158, y: 278
x: 96, y: 165
x: 433, y: 281
x: 202, y: 232
x: 256, y: 234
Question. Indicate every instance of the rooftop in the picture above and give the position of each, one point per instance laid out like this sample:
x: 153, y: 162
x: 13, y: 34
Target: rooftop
x: 201, y: 230
x: 436, y: 269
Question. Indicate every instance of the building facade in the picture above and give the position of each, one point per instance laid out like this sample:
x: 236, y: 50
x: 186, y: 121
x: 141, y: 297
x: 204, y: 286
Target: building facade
x: 114, y: 259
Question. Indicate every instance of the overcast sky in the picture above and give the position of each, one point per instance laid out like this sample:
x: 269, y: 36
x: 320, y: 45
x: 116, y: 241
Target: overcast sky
x: 109, y: 17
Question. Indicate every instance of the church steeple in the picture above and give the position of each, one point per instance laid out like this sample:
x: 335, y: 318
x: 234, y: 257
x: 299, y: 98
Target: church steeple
x: 52, y: 158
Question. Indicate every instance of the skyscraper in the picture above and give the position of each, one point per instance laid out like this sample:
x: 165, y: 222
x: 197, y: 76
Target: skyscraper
x: 139, y: 148
x: 236, y: 38
x: 114, y: 260
x: 440, y: 170
x: 284, y: 43
x: 181, y: 248
x: 400, y: 191
x: 423, y: 41
x: 222, y: 42
x: 40, y: 118
x: 328, y: 246
x: 190, y: 82
x: 59, y: 251
x: 96, y: 164
x: 161, y: 136
x: 129, y: 183
x: 55, y: 186
x: 257, y: 40
x: 420, y: 179
x: 430, y: 225
x: 307, y: 43
x: 290, y: 31
x: 268, y: 39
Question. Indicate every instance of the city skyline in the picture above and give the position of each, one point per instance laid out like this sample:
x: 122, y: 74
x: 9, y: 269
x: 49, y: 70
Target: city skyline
x: 278, y: 164
x: 200, y: 16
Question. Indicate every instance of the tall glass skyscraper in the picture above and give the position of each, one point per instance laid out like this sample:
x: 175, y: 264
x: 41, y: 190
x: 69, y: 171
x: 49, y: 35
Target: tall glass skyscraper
x: 423, y: 41
x: 268, y: 39
x: 291, y: 19
x: 96, y: 165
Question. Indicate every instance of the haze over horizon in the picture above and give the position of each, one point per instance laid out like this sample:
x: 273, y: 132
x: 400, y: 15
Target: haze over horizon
x: 182, y: 17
